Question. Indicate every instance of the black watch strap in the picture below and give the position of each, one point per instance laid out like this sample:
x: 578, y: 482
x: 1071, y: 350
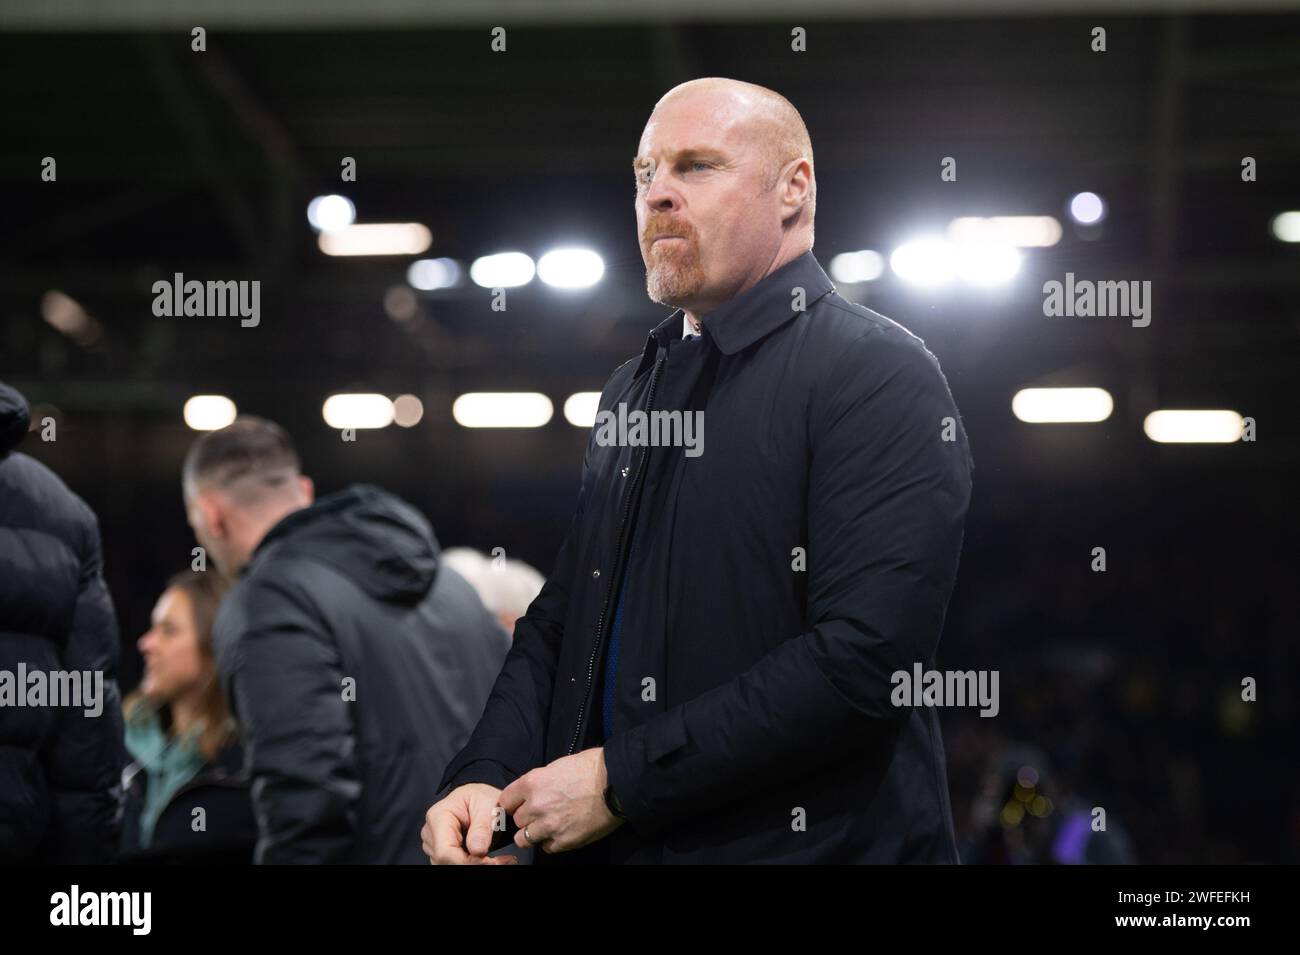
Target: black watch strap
x: 611, y: 800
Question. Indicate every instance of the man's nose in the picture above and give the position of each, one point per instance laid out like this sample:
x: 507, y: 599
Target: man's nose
x: 659, y: 196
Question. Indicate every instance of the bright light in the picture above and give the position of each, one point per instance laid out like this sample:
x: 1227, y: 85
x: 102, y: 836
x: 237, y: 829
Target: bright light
x: 503, y: 270
x: 407, y: 411
x: 580, y: 408
x: 1023, y: 232
x: 863, y: 266
x: 570, y: 268
x: 430, y: 274
x: 502, y: 409
x: 357, y: 411
x: 63, y: 312
x: 377, y: 238
x: 1087, y: 208
x: 1062, y: 405
x: 209, y: 412
x: 66, y: 314
x: 327, y: 213
x: 1286, y: 226
x: 1188, y: 427
x: 987, y: 263
x: 929, y: 262
x: 933, y: 262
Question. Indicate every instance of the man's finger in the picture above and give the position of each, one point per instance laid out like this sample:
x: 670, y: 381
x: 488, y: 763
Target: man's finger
x: 482, y: 813
x: 532, y: 834
x: 446, y: 832
x: 514, y: 795
x: 426, y: 841
x: 524, y: 814
x: 521, y: 840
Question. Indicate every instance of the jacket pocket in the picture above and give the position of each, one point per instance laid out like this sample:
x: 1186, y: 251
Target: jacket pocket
x: 668, y: 736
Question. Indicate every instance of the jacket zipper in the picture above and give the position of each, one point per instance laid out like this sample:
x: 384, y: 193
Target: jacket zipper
x: 618, y: 562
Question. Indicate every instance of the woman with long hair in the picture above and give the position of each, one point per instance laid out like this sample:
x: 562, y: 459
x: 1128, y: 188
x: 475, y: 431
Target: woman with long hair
x: 187, y: 794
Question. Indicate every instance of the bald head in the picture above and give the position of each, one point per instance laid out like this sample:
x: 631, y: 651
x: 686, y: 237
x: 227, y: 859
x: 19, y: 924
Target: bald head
x: 765, y: 118
x: 725, y: 191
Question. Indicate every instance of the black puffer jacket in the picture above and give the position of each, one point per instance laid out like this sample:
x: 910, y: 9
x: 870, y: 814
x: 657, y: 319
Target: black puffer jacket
x: 59, y: 768
x: 357, y: 667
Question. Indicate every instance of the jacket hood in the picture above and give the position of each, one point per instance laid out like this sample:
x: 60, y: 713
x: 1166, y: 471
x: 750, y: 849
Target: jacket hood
x: 375, y: 538
x: 14, y: 417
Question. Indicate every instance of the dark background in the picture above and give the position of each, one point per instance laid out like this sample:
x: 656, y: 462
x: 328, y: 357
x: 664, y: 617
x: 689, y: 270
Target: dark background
x: 1127, y: 682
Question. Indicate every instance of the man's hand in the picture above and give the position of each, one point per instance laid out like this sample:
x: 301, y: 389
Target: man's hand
x: 458, y: 829
x: 561, y: 806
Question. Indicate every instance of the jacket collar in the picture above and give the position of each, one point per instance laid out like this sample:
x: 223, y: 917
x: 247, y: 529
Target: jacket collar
x: 753, y: 314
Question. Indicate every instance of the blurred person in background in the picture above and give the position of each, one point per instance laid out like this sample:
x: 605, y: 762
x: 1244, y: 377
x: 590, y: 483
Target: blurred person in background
x: 356, y: 664
x: 505, y: 585
x: 60, y: 769
x: 187, y: 793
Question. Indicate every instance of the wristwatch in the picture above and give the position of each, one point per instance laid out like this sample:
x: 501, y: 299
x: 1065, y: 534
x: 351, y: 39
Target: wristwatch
x: 611, y: 800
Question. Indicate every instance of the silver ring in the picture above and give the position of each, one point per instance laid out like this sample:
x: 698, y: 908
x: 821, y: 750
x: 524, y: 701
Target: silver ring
x: 527, y: 838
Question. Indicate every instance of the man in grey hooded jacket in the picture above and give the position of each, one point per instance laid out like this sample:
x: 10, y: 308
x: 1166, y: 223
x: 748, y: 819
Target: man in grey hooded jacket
x: 355, y: 663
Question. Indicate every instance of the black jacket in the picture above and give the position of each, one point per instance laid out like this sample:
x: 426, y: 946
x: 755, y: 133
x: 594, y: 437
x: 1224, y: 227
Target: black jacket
x: 357, y: 667
x: 220, y: 789
x: 752, y: 717
x: 60, y: 770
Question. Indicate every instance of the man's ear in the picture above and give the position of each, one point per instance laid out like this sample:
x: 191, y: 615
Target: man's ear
x: 307, y: 488
x: 214, y: 515
x: 796, y: 186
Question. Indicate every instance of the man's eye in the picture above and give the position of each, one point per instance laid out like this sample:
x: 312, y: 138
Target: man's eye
x: 701, y: 163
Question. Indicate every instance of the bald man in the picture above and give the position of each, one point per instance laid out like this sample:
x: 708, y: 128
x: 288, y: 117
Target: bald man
x: 768, y: 529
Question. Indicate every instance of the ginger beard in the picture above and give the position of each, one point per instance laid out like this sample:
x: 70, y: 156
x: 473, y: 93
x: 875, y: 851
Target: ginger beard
x: 673, y: 273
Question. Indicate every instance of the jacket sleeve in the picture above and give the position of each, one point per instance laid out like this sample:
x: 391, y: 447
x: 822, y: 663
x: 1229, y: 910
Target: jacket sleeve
x: 509, y: 739
x: 84, y: 763
x: 285, y: 680
x: 887, y: 499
